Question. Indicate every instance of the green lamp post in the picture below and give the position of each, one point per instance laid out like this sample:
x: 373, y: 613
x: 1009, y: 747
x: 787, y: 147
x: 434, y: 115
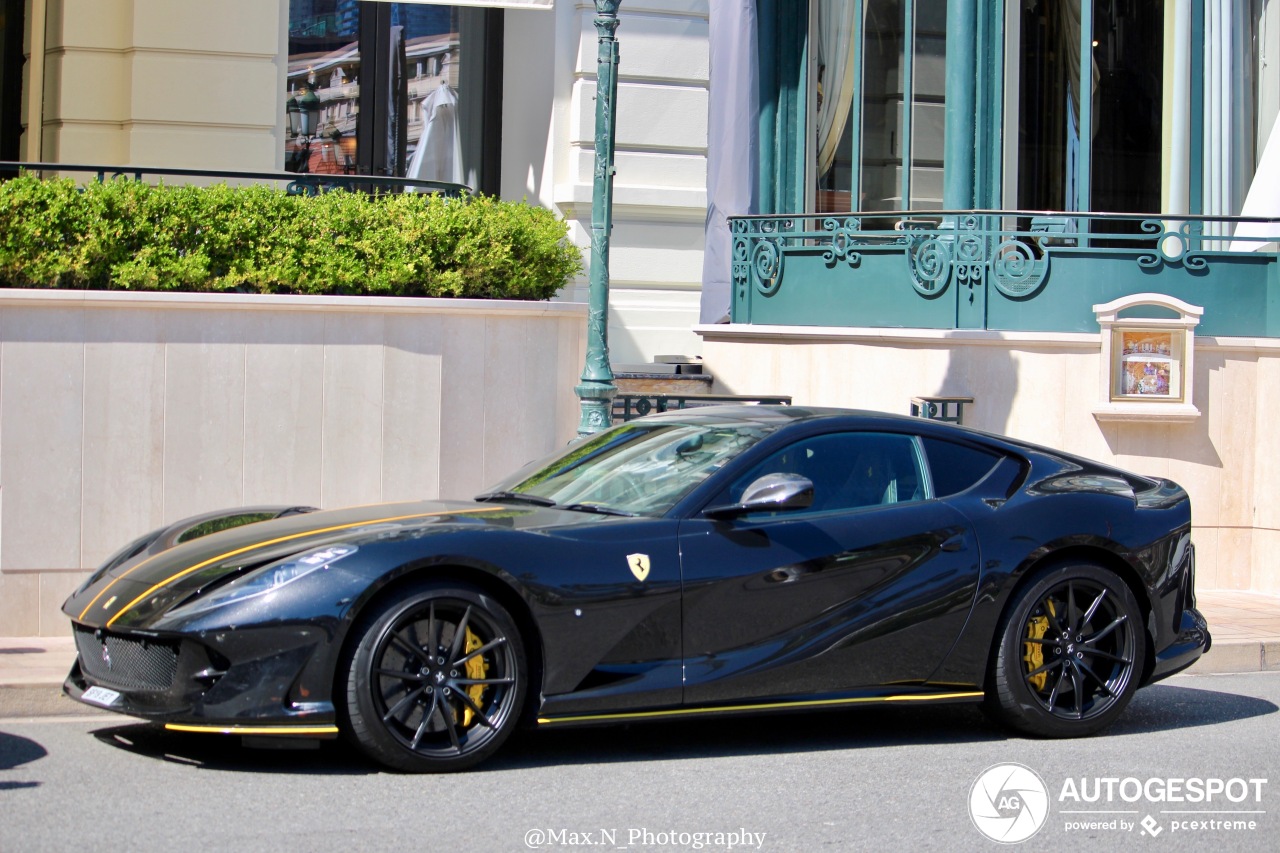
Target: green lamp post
x: 596, y: 389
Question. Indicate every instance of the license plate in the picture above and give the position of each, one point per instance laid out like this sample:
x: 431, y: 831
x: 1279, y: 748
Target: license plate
x: 100, y: 696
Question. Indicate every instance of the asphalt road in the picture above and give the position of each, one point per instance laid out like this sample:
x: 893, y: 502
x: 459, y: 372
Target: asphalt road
x: 884, y: 779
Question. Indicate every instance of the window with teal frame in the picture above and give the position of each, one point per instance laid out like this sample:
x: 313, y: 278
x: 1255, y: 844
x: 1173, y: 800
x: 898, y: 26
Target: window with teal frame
x: 11, y: 62
x: 879, y: 102
x: 1102, y: 151
x: 893, y: 105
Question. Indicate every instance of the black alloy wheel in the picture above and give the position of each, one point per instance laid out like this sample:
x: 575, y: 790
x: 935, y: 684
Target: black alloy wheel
x: 1070, y: 654
x: 436, y: 681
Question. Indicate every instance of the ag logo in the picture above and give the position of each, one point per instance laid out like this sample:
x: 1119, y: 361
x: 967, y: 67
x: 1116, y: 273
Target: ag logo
x: 639, y: 564
x: 1008, y: 803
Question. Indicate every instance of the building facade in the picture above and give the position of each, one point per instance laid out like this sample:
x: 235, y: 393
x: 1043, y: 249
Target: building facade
x: 1002, y: 202
x: 851, y: 202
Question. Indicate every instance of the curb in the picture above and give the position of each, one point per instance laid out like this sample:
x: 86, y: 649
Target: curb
x: 1239, y: 656
x: 39, y: 700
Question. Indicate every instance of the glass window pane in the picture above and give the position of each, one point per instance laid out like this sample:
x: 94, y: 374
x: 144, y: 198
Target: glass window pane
x: 1126, y: 104
x: 956, y: 467
x: 899, y: 64
x: 433, y: 48
x: 1128, y: 55
x: 11, y: 60
x: 848, y: 470
x: 837, y: 59
x: 1048, y: 107
x: 324, y: 86
x: 449, y: 87
x: 882, y: 103
x: 421, y: 80
x: 928, y: 113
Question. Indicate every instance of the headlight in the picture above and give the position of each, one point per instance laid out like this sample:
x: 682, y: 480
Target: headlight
x: 270, y: 577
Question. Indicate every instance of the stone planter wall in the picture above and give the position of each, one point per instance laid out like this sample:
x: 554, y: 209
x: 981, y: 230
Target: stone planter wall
x: 120, y: 412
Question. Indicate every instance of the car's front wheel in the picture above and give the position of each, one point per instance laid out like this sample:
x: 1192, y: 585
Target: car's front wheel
x: 1070, y: 653
x: 436, y: 680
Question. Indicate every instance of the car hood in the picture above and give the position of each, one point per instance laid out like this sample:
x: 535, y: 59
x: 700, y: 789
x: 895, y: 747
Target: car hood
x: 126, y: 592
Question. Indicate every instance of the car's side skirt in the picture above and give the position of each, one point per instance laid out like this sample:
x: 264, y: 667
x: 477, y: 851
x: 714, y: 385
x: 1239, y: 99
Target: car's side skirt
x: 790, y: 705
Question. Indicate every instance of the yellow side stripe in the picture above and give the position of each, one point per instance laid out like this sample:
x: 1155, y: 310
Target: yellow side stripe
x: 268, y: 543
x: 720, y: 709
x: 253, y: 730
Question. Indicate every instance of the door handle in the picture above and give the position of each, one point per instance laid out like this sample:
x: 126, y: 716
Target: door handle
x: 955, y: 543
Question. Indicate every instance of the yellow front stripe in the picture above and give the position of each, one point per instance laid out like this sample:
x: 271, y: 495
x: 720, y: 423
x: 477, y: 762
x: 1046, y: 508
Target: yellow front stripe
x: 277, y: 541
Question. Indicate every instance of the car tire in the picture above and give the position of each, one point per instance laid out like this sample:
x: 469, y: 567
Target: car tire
x: 1070, y: 653
x: 436, y: 680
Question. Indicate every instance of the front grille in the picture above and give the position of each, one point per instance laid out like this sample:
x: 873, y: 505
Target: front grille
x: 127, y: 663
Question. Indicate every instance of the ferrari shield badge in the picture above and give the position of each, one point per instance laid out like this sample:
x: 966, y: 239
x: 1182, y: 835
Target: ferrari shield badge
x: 639, y: 564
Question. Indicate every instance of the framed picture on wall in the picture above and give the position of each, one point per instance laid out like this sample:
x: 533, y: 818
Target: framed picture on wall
x: 1147, y: 364
x: 1147, y: 369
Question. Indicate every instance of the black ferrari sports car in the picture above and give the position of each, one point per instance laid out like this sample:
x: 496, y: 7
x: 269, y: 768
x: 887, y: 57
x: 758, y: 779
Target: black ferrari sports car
x: 718, y: 560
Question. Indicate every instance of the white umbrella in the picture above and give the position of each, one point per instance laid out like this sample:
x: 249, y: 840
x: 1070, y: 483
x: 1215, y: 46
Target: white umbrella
x: 1263, y: 198
x: 438, y: 156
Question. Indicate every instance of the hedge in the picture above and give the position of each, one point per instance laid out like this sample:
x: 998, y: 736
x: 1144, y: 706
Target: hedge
x: 128, y: 235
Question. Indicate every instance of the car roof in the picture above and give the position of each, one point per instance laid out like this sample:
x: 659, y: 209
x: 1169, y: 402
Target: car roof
x: 778, y: 416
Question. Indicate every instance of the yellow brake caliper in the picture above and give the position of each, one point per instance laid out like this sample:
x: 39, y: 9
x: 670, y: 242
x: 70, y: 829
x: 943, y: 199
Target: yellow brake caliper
x: 476, y: 668
x: 1033, y: 654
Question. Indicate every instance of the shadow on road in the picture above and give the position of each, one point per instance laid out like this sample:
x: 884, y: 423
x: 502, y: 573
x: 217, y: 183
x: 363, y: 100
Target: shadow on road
x: 1165, y: 707
x: 1154, y: 709
x: 16, y: 750
x: 770, y: 734
x: 1157, y: 708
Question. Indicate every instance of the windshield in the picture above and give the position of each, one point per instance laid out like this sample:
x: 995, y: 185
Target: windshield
x: 635, y: 469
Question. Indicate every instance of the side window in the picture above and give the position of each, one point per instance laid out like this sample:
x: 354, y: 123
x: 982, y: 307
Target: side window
x: 848, y: 470
x: 956, y: 467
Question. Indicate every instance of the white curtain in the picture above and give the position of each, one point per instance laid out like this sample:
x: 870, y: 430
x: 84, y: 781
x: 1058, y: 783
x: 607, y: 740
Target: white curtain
x: 1178, y: 162
x: 733, y: 115
x: 1228, y: 159
x: 1263, y: 198
x: 835, y: 76
x: 1217, y: 114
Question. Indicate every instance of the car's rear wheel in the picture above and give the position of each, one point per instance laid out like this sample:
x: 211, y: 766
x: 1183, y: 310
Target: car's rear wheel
x: 436, y: 680
x: 1070, y: 653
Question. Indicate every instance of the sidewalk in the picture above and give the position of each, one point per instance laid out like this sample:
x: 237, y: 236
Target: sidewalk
x: 1245, y: 628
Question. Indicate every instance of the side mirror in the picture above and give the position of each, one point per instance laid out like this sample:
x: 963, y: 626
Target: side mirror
x: 770, y: 493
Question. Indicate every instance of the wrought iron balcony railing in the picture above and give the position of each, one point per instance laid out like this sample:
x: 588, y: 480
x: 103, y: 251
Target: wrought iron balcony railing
x: 1005, y: 270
